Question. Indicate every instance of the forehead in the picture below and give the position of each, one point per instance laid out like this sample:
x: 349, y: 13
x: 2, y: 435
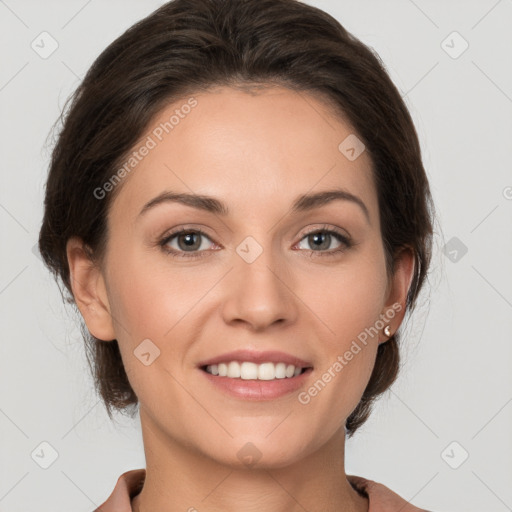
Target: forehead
x: 247, y: 148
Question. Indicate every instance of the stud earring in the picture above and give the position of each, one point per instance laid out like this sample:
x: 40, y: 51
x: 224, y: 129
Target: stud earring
x: 387, y: 330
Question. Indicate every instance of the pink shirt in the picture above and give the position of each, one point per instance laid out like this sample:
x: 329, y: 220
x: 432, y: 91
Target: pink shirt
x: 381, y: 499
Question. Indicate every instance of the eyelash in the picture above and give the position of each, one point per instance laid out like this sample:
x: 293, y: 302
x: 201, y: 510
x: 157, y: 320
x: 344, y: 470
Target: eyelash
x: 346, y: 243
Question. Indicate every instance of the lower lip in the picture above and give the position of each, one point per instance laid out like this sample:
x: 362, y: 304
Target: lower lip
x: 258, y: 389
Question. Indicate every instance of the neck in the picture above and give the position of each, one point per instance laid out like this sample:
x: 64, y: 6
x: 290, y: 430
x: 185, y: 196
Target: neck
x: 181, y: 479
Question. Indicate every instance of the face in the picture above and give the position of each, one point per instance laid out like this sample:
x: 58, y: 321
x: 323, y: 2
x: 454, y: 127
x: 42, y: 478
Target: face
x: 185, y: 283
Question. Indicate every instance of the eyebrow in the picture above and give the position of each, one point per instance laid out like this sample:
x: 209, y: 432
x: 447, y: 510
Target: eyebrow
x: 303, y: 203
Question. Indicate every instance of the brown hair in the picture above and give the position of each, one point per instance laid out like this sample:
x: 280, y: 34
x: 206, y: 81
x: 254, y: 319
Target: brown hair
x: 188, y: 46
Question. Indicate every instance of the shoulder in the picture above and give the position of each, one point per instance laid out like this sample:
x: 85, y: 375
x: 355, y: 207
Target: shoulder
x: 128, y: 485
x: 380, y: 497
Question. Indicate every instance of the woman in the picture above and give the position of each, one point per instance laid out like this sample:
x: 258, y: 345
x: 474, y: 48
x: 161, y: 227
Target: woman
x: 238, y: 208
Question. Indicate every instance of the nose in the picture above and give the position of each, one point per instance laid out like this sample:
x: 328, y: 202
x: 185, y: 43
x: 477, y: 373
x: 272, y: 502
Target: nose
x: 259, y: 293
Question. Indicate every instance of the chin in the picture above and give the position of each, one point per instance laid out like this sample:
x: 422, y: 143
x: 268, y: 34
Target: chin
x: 259, y: 452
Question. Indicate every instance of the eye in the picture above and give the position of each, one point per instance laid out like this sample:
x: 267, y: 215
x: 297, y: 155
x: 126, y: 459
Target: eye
x: 183, y: 241
x: 321, y: 239
x: 188, y: 243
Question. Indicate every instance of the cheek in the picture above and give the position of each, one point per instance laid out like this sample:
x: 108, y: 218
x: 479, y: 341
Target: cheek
x: 150, y: 302
x: 350, y: 298
x: 148, y: 298
x: 160, y: 303
x: 350, y: 308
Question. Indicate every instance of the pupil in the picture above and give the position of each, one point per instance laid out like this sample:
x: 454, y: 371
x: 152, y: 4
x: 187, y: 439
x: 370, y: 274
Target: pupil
x: 318, y: 236
x: 189, y: 241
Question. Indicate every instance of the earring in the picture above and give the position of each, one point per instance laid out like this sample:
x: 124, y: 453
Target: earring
x: 387, y: 330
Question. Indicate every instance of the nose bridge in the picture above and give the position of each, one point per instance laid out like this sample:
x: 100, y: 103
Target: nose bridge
x: 256, y: 293
x: 257, y: 264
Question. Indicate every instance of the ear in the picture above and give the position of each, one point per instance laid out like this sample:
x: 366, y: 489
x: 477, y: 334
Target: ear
x: 89, y: 291
x: 398, y: 289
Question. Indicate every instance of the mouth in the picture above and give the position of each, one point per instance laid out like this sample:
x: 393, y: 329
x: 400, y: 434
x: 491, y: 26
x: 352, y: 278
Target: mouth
x: 256, y: 375
x: 247, y: 370
x: 249, y: 381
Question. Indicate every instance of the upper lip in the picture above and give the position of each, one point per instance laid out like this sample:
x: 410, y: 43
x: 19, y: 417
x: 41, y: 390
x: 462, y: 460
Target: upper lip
x: 272, y: 356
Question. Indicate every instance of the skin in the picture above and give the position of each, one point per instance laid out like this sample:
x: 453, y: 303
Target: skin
x: 257, y: 153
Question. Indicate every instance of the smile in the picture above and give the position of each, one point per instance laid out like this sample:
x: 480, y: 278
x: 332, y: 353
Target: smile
x: 243, y: 380
x: 251, y: 371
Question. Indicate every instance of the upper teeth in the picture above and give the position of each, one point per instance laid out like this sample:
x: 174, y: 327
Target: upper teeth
x: 247, y: 370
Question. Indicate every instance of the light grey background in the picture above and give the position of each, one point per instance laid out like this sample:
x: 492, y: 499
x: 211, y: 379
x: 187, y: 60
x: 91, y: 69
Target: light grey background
x: 456, y: 383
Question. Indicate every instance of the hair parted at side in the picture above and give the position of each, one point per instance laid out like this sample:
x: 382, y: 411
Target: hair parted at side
x: 189, y: 46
